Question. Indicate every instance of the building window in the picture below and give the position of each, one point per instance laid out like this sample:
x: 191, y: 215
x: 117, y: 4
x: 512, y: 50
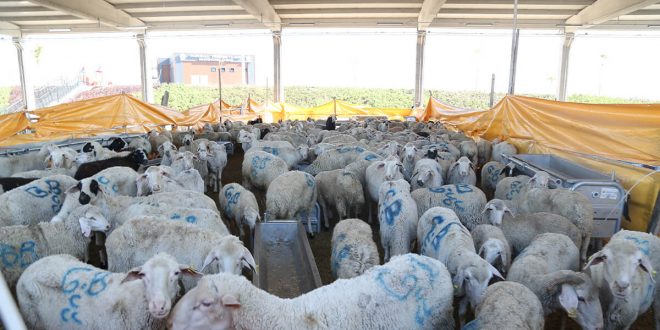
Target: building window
x: 231, y: 69
x: 213, y: 69
x: 222, y: 70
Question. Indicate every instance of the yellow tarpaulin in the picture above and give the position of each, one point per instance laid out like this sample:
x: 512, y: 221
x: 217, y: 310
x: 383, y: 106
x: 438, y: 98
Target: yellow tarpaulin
x: 599, y: 136
x: 342, y: 109
x: 13, y: 123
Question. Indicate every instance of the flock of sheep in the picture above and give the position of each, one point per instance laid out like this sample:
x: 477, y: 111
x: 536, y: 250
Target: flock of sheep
x: 508, y: 248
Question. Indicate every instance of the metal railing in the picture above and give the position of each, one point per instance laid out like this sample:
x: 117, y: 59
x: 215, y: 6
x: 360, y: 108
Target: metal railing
x: 11, y: 317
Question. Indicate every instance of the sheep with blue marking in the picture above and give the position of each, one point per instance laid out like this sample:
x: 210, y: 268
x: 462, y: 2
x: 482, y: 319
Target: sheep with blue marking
x: 260, y: 168
x: 292, y: 156
x: 240, y: 205
x: 59, y: 292
x: 466, y: 201
x: 23, y: 245
x: 353, y: 249
x: 34, y: 202
x: 397, y: 215
x: 442, y: 236
x: 339, y: 157
x: 409, y: 292
x: 202, y: 218
x: 292, y: 195
x: 491, y: 174
x: 379, y: 172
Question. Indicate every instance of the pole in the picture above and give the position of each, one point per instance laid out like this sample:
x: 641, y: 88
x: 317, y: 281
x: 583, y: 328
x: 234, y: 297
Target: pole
x: 419, y: 67
x: 144, y: 73
x: 220, y: 85
x: 27, y: 89
x: 11, y: 317
x: 565, y: 57
x: 277, y: 73
x: 492, y: 91
x: 514, y: 49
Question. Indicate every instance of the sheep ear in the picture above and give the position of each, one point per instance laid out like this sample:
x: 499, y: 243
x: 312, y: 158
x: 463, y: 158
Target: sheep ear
x: 506, y: 209
x: 68, y: 162
x: 248, y: 260
x: 73, y: 189
x: 646, y: 266
x: 229, y: 300
x: 48, y: 161
x: 85, y: 227
x: 458, y: 283
x: 133, y: 274
x: 568, y: 300
x: 595, y: 259
x: 210, y: 258
x: 189, y: 271
x: 495, y: 272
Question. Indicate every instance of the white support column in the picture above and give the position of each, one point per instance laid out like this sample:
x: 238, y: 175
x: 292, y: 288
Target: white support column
x: 27, y: 87
x: 145, y: 79
x: 277, y: 67
x: 565, y: 59
x: 514, y: 49
x: 419, y: 68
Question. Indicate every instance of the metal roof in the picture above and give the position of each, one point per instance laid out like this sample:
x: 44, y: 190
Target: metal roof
x: 38, y: 16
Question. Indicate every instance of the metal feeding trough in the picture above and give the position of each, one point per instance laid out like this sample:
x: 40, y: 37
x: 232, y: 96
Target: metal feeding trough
x: 285, y: 263
x: 604, y: 192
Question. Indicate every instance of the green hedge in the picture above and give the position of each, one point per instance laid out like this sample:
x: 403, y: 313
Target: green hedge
x: 4, y: 96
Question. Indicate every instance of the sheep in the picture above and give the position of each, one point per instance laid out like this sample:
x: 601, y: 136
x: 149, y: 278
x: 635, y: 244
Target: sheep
x: 7, y: 184
x: 260, y: 168
x: 409, y: 292
x: 339, y: 139
x: 291, y: 155
x: 88, y: 191
x: 353, y: 249
x: 397, y: 215
x: 467, y: 201
x: 27, y: 162
x: 624, y: 272
x: 140, y: 143
x: 240, y: 205
x: 61, y: 292
x: 508, y: 305
x: 202, y: 218
x: 340, y: 191
x: 440, y: 235
x: 379, y: 172
x: 156, y: 139
x: 548, y: 268
x: 491, y: 174
x: 167, y: 151
x: 140, y: 238
x: 339, y: 157
x: 117, y: 144
x: 216, y: 162
x: 182, y: 138
x: 492, y: 246
x: 462, y: 171
x: 23, y: 245
x: 469, y: 149
x: 427, y: 174
x: 409, y: 159
x: 183, y: 160
x: 292, y: 195
x: 157, y: 179
x: 502, y: 148
x: 510, y: 188
x: 35, y: 202
x: 133, y: 160
x: 568, y: 203
x: 39, y: 174
x: 93, y: 151
x: 61, y: 158
x: 521, y: 229
x: 484, y: 150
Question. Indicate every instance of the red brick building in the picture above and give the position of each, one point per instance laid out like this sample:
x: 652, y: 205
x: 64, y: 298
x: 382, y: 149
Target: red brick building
x: 202, y: 69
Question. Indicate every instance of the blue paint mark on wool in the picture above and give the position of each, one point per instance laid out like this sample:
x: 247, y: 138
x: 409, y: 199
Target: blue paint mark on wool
x: 642, y: 244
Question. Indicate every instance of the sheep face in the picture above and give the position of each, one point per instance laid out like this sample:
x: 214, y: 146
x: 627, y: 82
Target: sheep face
x: 474, y: 279
x: 153, y: 178
x: 160, y: 276
x: 495, y: 210
x: 184, y: 161
x: 464, y: 166
x: 208, y: 127
x: 87, y: 153
x: 303, y: 150
x: 166, y: 148
x: 409, y: 151
x: 393, y: 168
x: 582, y: 304
x: 203, y: 150
x: 59, y: 158
x: 187, y: 139
x: 245, y: 137
x: 621, y: 262
x: 231, y: 255
x: 494, y: 252
x: 93, y: 220
x: 203, y: 308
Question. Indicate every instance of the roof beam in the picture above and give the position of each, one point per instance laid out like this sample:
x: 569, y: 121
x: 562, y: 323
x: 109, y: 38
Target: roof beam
x: 175, y: 4
x: 95, y: 10
x: 263, y: 12
x: 604, y: 10
x: 10, y: 29
x: 430, y: 9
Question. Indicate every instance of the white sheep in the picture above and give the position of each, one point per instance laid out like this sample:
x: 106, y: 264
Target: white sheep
x: 521, y: 229
x: 35, y: 202
x: 60, y: 292
x: 25, y: 162
x: 492, y: 246
x: 291, y: 155
x: 339, y: 157
x: 157, y: 179
x: 202, y: 218
x: 61, y: 158
x: 23, y: 245
x: 624, y: 272
x: 466, y: 201
x: 491, y: 174
x: 140, y: 238
x: 379, y: 172
x: 167, y: 151
x: 510, y: 188
x: 469, y: 149
x: 240, y: 205
x: 409, y: 158
x: 260, y: 168
x: 441, y: 235
x: 216, y: 162
x: 502, y: 148
x: 397, y: 215
x: 426, y: 174
x: 117, y: 181
x: 340, y: 191
x: 462, y: 171
x: 93, y: 151
x: 508, y: 305
x: 548, y: 267
x: 353, y: 249
x: 140, y: 143
x: 484, y: 151
x: 292, y: 195
x: 156, y: 139
x: 409, y: 292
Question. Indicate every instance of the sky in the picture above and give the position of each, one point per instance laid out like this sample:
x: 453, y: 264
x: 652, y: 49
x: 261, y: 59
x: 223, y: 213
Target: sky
x: 602, y: 63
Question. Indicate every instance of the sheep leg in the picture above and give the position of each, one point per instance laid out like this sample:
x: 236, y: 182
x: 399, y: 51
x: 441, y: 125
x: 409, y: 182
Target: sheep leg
x: 462, y: 311
x: 585, y: 247
x: 325, y: 211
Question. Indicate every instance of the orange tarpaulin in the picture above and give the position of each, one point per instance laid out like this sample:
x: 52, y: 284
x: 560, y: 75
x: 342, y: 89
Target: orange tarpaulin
x: 13, y: 123
x: 600, y: 136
